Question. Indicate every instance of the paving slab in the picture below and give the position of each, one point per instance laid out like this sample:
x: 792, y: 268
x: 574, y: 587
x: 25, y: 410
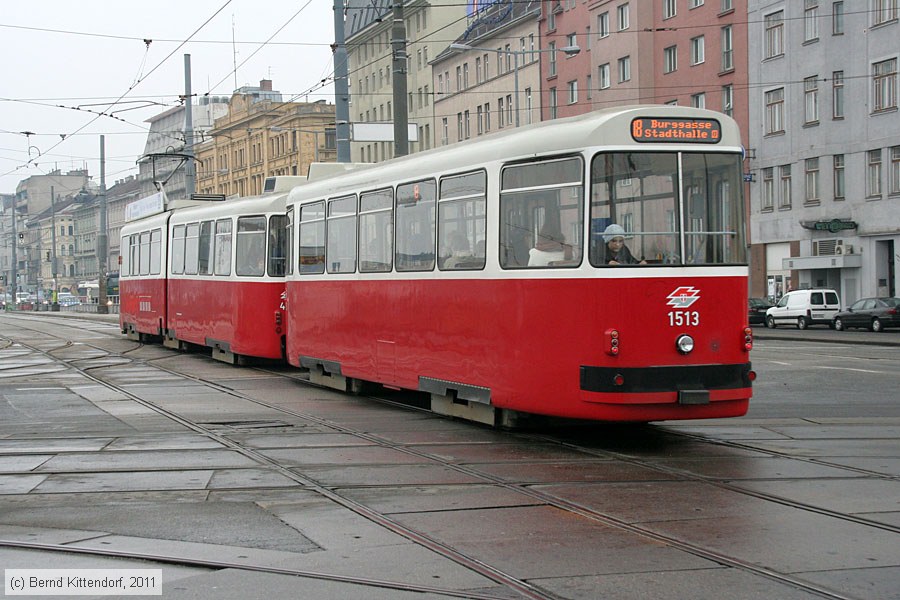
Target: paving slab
x: 406, y: 499
x: 771, y: 467
x: 851, y: 496
x: 871, y: 584
x: 125, y: 481
x: 380, y: 475
x: 584, y: 471
x: 697, y: 584
x: 537, y: 542
x: 137, y: 459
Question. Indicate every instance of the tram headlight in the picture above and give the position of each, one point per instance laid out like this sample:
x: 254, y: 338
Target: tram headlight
x: 684, y: 343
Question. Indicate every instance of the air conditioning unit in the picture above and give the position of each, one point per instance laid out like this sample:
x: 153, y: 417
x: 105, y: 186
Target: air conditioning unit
x: 848, y: 249
x: 838, y: 249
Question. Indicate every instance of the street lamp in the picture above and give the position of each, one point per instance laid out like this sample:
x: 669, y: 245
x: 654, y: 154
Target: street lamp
x: 568, y: 50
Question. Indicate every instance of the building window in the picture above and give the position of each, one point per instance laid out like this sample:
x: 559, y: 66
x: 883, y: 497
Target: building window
x: 839, y: 185
x: 895, y: 171
x: 589, y: 85
x: 698, y: 100
x: 810, y: 20
x: 774, y: 34
x: 622, y: 14
x: 603, y: 76
x: 692, y: 4
x: 727, y: 5
x: 884, y: 81
x: 837, y: 95
x: 529, y: 105
x: 670, y: 59
x: 837, y: 18
x: 669, y: 9
x: 467, y: 124
x: 487, y: 116
x: 501, y: 115
x: 811, y: 97
x: 459, y: 126
x: 873, y: 174
x: 603, y: 25
x: 572, y: 40
x: 884, y: 11
x: 812, y: 181
x: 480, y: 119
x: 509, y: 109
x: 727, y: 49
x: 785, y: 186
x: 768, y: 188
x: 553, y: 105
x: 573, y: 91
x: 728, y: 100
x: 775, y: 111
x: 624, y: 69
x: 698, y: 50
x: 551, y: 54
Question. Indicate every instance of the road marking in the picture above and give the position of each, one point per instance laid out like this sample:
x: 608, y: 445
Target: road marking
x: 849, y: 369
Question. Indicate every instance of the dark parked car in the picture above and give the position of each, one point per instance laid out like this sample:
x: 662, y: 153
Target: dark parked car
x: 871, y: 313
x: 758, y: 308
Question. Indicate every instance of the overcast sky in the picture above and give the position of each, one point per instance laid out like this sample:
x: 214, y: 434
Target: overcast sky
x: 64, y: 58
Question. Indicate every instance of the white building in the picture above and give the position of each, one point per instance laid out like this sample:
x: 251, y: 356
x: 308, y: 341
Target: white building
x: 825, y: 144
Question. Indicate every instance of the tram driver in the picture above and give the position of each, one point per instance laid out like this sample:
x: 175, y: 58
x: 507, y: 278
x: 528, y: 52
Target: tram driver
x: 614, y: 251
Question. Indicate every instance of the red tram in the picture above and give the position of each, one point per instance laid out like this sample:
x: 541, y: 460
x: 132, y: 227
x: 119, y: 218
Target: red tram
x: 210, y: 275
x: 491, y: 273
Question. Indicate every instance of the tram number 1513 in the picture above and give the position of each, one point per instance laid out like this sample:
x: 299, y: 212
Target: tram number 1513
x: 684, y: 318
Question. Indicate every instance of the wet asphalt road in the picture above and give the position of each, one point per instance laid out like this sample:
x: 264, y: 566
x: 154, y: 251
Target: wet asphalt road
x: 247, y: 483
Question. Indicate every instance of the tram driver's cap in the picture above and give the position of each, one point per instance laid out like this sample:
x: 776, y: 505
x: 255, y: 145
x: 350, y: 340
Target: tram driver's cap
x: 613, y: 231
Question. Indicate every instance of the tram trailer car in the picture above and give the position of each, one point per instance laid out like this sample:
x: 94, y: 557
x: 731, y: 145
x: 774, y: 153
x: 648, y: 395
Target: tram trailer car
x: 208, y: 275
x: 477, y: 273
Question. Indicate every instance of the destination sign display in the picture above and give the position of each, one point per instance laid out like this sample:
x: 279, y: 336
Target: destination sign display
x: 704, y: 131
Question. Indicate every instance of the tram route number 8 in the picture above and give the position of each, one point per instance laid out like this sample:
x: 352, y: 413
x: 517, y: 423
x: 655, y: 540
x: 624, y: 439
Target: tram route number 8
x: 684, y: 318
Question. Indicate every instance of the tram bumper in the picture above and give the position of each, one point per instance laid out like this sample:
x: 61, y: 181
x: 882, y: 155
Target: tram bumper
x: 688, y: 385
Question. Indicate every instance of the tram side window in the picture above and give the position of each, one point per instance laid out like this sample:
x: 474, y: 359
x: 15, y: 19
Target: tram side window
x: 289, y: 241
x: 145, y: 253
x: 135, y: 253
x: 178, y: 249
x: 461, y: 221
x: 311, y: 257
x: 341, y: 235
x: 222, y: 249
x: 206, y: 249
x: 277, y: 249
x: 713, y: 205
x: 542, y: 214
x: 415, y: 226
x: 155, y: 251
x: 191, y: 249
x: 250, y: 253
x: 376, y: 239
x: 636, y: 191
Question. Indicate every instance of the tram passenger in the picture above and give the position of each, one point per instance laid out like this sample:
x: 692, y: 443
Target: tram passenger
x: 550, y: 247
x: 614, y: 251
x: 460, y: 253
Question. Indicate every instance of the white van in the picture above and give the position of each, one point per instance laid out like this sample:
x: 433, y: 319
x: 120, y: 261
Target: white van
x: 804, y: 308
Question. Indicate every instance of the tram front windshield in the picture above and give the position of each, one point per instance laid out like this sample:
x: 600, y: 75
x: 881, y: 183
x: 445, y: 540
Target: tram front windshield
x: 655, y: 197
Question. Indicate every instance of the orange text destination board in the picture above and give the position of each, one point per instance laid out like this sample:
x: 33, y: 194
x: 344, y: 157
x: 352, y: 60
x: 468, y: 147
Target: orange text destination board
x: 704, y: 131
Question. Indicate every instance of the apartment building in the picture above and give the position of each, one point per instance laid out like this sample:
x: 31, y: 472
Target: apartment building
x: 825, y: 146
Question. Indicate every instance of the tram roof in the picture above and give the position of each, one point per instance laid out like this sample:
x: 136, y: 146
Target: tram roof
x: 609, y: 127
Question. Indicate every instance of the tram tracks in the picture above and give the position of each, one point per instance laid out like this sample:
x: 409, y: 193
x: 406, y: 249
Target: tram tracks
x: 528, y: 491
